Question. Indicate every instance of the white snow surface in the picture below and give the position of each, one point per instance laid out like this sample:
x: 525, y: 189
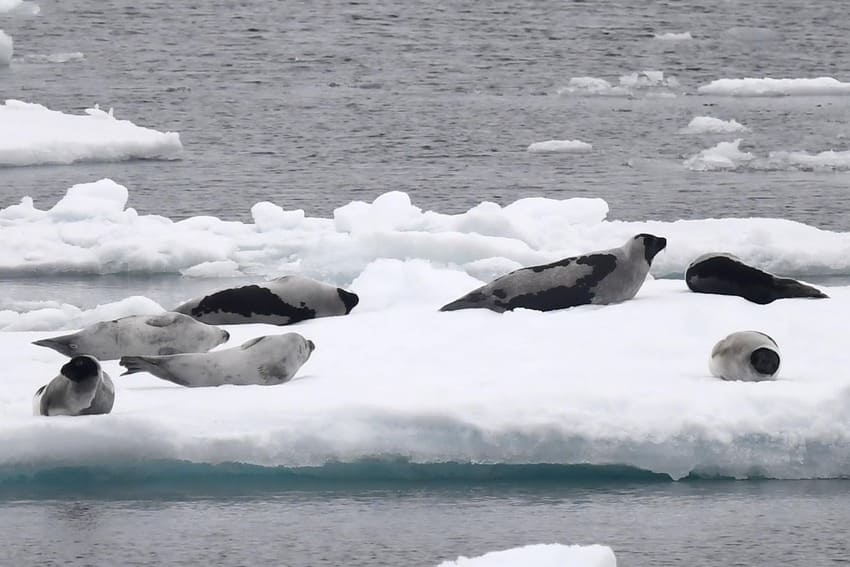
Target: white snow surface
x: 621, y: 384
x: 34, y: 134
x: 541, y: 555
x: 6, y: 48
x: 560, y: 146
x: 674, y: 36
x: 711, y: 125
x: 647, y: 82
x: 91, y: 231
x: 728, y: 156
x: 821, y: 86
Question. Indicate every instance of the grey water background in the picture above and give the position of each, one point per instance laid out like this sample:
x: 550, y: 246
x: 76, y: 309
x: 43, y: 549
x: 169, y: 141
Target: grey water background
x: 314, y: 104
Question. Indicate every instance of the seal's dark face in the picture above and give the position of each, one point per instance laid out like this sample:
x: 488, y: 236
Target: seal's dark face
x: 652, y: 245
x: 350, y: 300
x: 765, y: 361
x: 80, y: 368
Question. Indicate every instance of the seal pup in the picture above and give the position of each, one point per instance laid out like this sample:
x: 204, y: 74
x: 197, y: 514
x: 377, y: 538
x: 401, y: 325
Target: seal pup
x: 750, y: 356
x: 725, y: 274
x: 281, y: 301
x: 266, y: 360
x: 82, y: 388
x: 168, y: 333
x: 606, y: 276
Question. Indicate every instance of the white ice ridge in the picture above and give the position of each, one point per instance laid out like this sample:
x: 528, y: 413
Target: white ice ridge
x: 633, y: 84
x: 728, y: 156
x: 54, y: 315
x: 541, y: 555
x: 623, y: 384
x: 674, y: 36
x: 90, y: 231
x: 711, y: 125
x: 6, y: 48
x: 821, y: 86
x: 34, y: 135
x: 560, y: 146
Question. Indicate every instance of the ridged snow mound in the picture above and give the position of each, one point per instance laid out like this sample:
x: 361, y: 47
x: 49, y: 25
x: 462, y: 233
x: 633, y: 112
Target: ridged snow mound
x: 34, y: 134
x: 728, y: 156
x: 6, y: 48
x: 633, y: 84
x: 542, y: 555
x: 560, y: 146
x: 711, y: 125
x: 624, y: 384
x: 91, y: 231
x: 821, y: 86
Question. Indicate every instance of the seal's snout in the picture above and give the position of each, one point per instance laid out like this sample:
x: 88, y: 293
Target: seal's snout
x: 765, y: 361
x: 225, y: 335
x: 311, y: 345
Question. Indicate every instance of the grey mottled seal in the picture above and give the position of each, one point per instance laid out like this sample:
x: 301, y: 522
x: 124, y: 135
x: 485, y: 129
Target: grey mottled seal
x: 607, y: 276
x: 168, y: 333
x: 750, y: 356
x: 267, y: 360
x: 725, y: 274
x: 282, y: 301
x: 82, y: 388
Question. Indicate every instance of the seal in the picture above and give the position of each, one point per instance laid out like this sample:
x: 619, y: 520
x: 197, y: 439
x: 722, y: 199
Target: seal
x: 144, y: 335
x: 607, y: 276
x: 725, y: 274
x: 281, y: 301
x: 750, y: 356
x: 266, y: 361
x: 82, y: 388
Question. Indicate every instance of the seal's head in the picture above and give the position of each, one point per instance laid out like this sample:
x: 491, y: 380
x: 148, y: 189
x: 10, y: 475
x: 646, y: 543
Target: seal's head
x: 349, y: 299
x: 765, y: 361
x: 81, y: 368
x: 649, y: 244
x: 67, y: 344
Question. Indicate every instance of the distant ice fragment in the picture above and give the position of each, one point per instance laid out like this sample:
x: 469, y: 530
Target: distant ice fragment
x: 560, y: 146
x: 541, y: 555
x: 821, y: 86
x: 711, y: 125
x: 6, y: 48
x: 673, y: 36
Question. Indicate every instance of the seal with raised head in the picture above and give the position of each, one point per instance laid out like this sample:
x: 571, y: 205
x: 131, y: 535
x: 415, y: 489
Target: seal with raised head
x: 82, y: 388
x: 281, y: 301
x: 168, y: 333
x: 606, y: 276
x: 725, y: 274
x: 266, y: 360
x: 751, y: 356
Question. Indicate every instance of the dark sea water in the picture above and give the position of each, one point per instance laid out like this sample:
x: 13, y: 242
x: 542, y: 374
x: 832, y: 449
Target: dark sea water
x: 314, y: 104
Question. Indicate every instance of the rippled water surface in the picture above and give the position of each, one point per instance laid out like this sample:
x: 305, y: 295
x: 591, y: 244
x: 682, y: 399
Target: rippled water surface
x: 312, y: 105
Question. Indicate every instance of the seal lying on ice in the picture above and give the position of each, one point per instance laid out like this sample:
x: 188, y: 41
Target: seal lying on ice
x: 750, y: 356
x: 607, y: 276
x: 266, y: 360
x: 725, y: 274
x: 282, y: 301
x: 168, y: 333
x: 82, y: 388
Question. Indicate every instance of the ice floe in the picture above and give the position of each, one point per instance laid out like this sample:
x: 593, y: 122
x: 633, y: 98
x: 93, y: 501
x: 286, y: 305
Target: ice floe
x: 644, y: 83
x: 674, y: 36
x: 821, y: 86
x: 711, y: 125
x: 728, y: 156
x: 34, y: 134
x: 541, y: 555
x: 560, y: 146
x: 6, y: 48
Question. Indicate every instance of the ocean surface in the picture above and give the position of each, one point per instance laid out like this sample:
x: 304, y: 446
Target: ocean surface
x: 313, y: 105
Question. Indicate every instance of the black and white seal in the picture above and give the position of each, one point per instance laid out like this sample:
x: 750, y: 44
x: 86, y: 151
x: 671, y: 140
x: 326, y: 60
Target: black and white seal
x: 750, y: 356
x: 607, y: 276
x: 82, y: 388
x: 168, y: 333
x: 266, y: 361
x: 725, y: 274
x: 282, y: 301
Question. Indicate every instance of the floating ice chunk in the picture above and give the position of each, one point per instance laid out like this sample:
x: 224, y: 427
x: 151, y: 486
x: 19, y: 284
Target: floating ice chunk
x: 541, y: 555
x: 828, y: 160
x: 648, y: 82
x: 34, y: 134
x: 9, y: 5
x: 560, y: 146
x: 219, y: 269
x: 54, y: 316
x: 268, y: 216
x: 55, y: 57
x: 6, y: 48
x: 724, y: 155
x: 673, y: 36
x: 821, y: 86
x: 100, y: 199
x: 711, y: 125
